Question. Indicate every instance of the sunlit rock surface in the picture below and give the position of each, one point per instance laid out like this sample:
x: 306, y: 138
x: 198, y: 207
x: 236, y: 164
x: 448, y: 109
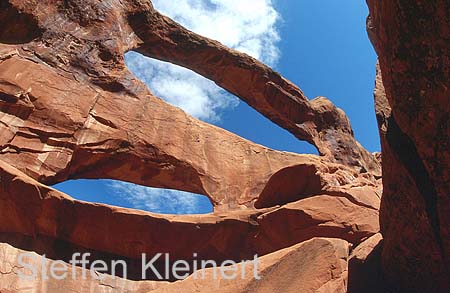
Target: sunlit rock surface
x: 70, y: 109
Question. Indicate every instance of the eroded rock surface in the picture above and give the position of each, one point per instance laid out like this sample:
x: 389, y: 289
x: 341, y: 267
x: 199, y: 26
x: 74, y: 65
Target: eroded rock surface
x: 100, y: 111
x: 317, y: 265
x: 413, y: 112
x: 12, y: 280
x: 69, y: 108
x: 32, y: 209
x: 364, y: 267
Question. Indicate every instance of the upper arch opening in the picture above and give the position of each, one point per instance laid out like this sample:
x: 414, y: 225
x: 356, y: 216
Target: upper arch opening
x: 205, y: 100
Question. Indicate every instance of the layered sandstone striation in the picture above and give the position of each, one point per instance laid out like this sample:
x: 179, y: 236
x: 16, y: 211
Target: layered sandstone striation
x: 316, y: 265
x: 70, y: 109
x: 317, y: 121
x: 34, y: 210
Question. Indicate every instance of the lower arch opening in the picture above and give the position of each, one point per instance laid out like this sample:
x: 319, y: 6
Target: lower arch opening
x: 129, y: 195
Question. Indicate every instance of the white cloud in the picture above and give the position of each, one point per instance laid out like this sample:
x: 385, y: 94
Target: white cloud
x: 181, y: 87
x: 249, y: 26
x: 246, y: 25
x: 157, y: 200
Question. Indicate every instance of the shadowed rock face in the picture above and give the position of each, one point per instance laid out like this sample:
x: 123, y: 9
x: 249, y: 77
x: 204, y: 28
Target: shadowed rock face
x: 413, y: 112
x: 69, y: 108
x: 17, y: 27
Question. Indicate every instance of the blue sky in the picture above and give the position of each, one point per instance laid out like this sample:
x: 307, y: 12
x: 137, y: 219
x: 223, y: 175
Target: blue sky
x: 320, y: 45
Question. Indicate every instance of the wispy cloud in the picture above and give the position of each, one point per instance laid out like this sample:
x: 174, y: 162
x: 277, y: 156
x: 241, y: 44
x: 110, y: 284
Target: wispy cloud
x: 246, y: 25
x: 163, y: 201
x: 249, y: 26
x: 181, y: 87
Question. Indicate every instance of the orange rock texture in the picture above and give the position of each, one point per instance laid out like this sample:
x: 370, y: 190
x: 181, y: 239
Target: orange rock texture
x: 70, y: 109
x: 413, y: 111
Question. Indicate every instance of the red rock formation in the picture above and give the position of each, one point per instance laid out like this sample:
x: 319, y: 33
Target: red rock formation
x: 317, y: 265
x: 364, y: 267
x: 32, y: 209
x: 413, y: 112
x: 318, y: 121
x: 69, y: 108
x: 11, y: 279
